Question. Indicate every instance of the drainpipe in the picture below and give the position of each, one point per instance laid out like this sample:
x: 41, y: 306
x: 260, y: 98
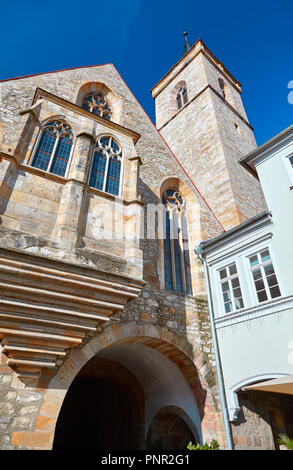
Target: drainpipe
x: 200, y: 252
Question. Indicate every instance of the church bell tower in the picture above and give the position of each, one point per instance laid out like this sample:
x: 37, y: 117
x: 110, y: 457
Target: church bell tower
x: 200, y: 114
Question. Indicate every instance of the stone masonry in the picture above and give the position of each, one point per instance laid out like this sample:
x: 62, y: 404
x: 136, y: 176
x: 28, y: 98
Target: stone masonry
x: 66, y: 292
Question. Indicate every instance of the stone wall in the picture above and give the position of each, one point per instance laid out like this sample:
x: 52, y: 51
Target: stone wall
x: 67, y: 239
x: 209, y: 134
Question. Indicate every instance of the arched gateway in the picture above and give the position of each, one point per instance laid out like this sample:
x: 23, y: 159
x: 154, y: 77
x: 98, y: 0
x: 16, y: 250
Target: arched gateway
x: 114, y: 393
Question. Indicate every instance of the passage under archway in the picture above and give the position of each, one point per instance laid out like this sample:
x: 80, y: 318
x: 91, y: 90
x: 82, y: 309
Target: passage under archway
x: 103, y: 409
x: 171, y: 429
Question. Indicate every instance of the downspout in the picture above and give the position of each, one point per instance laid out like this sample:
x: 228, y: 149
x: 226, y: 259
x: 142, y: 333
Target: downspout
x: 200, y: 252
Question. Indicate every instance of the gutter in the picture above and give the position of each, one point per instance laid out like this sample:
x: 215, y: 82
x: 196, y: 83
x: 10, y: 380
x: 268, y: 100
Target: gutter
x: 200, y: 252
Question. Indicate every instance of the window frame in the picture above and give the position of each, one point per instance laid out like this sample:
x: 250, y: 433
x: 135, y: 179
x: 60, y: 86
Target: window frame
x: 176, y: 223
x: 257, y: 252
x: 229, y: 280
x: 36, y: 145
x: 180, y: 94
x: 121, y: 179
x: 289, y: 166
x: 109, y: 109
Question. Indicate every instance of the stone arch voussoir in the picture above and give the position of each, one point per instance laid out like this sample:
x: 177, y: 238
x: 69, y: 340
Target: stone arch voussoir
x: 187, y: 357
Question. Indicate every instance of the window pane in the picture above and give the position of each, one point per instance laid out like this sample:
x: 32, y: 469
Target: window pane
x: 262, y: 296
x: 235, y: 282
x: 44, y: 150
x: 225, y: 286
x: 291, y: 160
x: 61, y: 156
x: 178, y: 270
x: 227, y: 296
x: 232, y: 269
x: 113, y: 178
x: 168, y: 256
x: 275, y: 292
x: 223, y: 273
x: 186, y: 254
x: 257, y: 274
x: 104, y: 141
x: 272, y: 280
x: 265, y: 256
x: 239, y: 303
x: 98, y: 170
x: 237, y: 293
x: 253, y: 261
x: 185, y: 99
x: 259, y: 285
x: 228, y: 307
x: 269, y: 269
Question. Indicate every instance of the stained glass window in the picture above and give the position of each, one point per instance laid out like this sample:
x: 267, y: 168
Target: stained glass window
x: 106, y: 166
x: 97, y: 103
x: 176, y: 250
x: 54, y: 148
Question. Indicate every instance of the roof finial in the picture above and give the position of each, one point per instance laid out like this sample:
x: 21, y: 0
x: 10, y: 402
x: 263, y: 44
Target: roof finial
x: 187, y: 45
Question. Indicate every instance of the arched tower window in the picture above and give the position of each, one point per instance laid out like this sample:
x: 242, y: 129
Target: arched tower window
x: 54, y: 148
x: 97, y: 103
x: 176, y: 248
x: 181, y: 97
x: 106, y: 166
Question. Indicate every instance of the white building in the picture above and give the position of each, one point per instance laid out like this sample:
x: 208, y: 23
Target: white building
x: 250, y: 272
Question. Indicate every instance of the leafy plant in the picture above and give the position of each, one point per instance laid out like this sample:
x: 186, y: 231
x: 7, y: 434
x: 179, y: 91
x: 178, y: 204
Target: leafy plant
x: 285, y: 441
x: 213, y: 445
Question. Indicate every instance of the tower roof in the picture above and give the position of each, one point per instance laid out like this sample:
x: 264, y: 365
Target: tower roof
x: 198, y: 47
x: 187, y: 44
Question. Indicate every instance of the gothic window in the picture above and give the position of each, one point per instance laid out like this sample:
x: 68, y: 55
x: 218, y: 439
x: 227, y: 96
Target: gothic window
x: 54, y: 148
x: 106, y: 166
x: 97, y: 103
x: 176, y: 249
x: 181, y: 97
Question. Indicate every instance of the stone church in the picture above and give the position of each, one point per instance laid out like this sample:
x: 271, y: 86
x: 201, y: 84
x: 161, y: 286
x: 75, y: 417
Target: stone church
x: 104, y: 325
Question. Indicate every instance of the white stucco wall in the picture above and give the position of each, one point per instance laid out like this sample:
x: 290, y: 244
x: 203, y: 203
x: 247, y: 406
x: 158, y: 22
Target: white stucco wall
x: 257, y: 342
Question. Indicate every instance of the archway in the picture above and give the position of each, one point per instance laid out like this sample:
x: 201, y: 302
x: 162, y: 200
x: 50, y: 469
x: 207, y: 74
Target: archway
x: 171, y: 429
x: 103, y: 409
x: 184, y: 360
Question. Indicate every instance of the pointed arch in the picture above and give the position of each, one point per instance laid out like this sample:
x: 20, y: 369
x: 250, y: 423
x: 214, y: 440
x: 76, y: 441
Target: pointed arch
x: 97, y: 97
x: 53, y: 147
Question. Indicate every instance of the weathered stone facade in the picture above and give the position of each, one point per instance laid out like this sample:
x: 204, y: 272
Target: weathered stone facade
x: 67, y: 292
x: 210, y: 133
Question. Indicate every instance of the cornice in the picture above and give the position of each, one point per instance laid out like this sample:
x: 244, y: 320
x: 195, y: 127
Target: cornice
x: 197, y: 48
x: 266, y: 308
x: 49, y: 307
x: 40, y: 93
x: 207, y: 87
x: 246, y: 228
x: 267, y: 149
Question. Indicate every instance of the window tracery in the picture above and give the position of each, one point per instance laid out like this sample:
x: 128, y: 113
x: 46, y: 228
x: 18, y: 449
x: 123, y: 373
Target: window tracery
x: 106, y: 166
x: 54, y: 148
x: 181, y: 96
x: 97, y: 103
x: 176, y: 248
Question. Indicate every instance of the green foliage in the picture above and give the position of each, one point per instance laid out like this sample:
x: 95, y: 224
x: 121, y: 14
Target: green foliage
x: 213, y: 445
x: 285, y: 441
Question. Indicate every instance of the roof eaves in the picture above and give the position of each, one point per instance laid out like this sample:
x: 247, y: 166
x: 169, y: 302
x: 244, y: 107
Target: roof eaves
x: 55, y: 71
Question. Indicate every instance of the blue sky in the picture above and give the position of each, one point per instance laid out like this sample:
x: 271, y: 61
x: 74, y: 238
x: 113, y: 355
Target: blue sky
x: 143, y: 38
